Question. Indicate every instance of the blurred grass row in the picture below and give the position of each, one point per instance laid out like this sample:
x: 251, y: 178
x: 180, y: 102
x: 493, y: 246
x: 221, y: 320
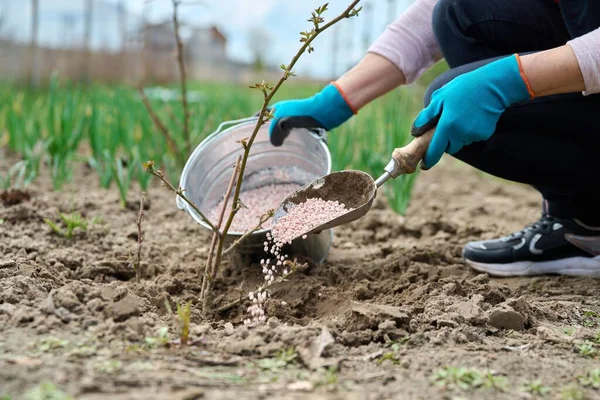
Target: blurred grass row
x: 63, y: 125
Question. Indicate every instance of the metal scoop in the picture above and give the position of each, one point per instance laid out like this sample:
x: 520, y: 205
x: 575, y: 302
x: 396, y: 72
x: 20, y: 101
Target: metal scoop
x: 355, y: 189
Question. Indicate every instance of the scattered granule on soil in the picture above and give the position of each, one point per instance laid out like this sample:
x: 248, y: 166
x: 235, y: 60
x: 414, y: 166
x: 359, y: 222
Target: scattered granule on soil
x: 258, y: 202
x: 304, y: 217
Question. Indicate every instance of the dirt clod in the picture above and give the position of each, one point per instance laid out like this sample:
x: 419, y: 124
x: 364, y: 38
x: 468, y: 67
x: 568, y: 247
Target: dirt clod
x: 368, y: 316
x: 125, y: 308
x: 13, y: 197
x: 506, y: 318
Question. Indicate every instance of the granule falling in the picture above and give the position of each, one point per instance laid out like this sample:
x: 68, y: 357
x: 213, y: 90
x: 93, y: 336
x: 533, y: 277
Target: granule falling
x: 257, y: 202
x: 306, y: 216
x: 300, y: 219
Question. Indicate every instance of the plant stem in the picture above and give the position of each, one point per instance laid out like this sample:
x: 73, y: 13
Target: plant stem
x: 264, y: 218
x: 209, y: 263
x: 181, y: 62
x: 149, y: 167
x: 160, y: 125
x: 261, y: 120
x: 138, y: 272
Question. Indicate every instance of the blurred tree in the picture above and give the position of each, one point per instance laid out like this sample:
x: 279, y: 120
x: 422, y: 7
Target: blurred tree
x: 259, y: 43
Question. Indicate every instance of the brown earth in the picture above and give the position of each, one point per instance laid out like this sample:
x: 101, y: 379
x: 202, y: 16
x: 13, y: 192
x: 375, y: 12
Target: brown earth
x: 391, y: 307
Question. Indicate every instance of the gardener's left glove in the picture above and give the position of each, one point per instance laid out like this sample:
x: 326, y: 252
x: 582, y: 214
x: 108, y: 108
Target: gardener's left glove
x: 468, y: 107
x: 327, y: 109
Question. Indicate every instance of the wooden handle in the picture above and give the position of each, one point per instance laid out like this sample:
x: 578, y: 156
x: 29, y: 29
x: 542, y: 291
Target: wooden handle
x: 409, y: 156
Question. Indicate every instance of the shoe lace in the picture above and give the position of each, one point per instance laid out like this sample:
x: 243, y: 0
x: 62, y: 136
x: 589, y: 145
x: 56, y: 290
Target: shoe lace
x: 544, y: 224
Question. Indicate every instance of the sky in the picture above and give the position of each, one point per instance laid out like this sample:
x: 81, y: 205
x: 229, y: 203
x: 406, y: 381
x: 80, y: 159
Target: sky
x: 281, y: 21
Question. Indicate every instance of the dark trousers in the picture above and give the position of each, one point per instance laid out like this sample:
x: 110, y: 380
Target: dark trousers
x: 551, y: 143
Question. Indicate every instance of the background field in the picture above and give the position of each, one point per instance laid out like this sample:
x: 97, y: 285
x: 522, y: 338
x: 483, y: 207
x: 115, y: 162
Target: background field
x: 107, y: 127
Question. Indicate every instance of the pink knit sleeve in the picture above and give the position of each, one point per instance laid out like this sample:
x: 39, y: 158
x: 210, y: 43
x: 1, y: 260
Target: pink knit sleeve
x: 587, y: 51
x: 409, y: 42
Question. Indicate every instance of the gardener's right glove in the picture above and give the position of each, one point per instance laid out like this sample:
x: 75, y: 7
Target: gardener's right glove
x: 327, y: 109
x: 467, y: 108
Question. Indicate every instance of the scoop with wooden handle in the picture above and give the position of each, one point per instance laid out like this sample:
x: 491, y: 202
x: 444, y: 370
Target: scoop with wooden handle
x: 355, y: 189
x: 406, y: 159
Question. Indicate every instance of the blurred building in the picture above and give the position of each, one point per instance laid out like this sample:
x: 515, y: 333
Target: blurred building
x: 121, y: 45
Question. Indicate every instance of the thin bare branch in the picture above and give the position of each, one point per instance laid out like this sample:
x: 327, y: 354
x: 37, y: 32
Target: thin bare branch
x: 183, y: 78
x: 214, y: 258
x: 263, y: 218
x: 209, y: 263
x: 138, y: 262
x: 149, y: 167
x: 159, y: 124
x: 348, y: 12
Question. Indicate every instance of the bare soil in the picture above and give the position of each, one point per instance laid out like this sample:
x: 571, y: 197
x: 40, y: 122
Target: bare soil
x: 393, y: 305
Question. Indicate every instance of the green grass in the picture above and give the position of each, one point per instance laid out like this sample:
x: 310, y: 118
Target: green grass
x: 64, y: 126
x: 466, y: 379
x: 536, y: 388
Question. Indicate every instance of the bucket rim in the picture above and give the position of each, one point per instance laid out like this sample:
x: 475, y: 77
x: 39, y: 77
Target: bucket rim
x: 321, y: 137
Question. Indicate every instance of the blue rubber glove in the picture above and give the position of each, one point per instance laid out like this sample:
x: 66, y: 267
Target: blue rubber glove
x: 327, y: 109
x: 468, y: 107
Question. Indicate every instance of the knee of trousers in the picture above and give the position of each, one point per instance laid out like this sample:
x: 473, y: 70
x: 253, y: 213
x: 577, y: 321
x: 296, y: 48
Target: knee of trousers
x: 451, y: 18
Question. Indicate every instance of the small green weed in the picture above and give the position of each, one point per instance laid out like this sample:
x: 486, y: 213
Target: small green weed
x: 456, y: 377
x: 46, y: 390
x: 183, y: 314
x: 568, y: 330
x: 468, y: 379
x: 161, y: 340
x: 51, y: 343
x: 489, y: 380
x: 591, y: 319
x: 1, y: 221
x: 591, y: 379
x: 329, y: 378
x: 109, y: 366
x: 83, y: 351
x: 71, y: 222
x: 596, y: 338
x: 283, y: 358
x: 572, y: 392
x: 587, y: 350
x: 389, y: 356
x: 536, y: 388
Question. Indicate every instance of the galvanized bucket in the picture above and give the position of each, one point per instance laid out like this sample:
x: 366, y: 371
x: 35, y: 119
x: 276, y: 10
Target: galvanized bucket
x: 302, y: 158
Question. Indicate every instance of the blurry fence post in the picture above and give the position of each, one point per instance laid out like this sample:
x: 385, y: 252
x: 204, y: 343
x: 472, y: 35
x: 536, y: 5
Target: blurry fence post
x: 34, y: 53
x: 87, y: 35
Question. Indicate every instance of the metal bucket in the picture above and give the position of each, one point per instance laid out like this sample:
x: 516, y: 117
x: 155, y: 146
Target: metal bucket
x: 302, y: 158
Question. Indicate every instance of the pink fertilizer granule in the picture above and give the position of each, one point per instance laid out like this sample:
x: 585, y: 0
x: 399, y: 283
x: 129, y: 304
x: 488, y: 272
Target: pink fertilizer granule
x: 304, y: 217
x: 300, y: 219
x: 257, y: 202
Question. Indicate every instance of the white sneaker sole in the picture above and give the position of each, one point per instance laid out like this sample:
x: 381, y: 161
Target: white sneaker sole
x: 574, y: 266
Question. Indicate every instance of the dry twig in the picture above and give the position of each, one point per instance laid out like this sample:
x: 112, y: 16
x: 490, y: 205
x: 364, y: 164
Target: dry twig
x: 183, y: 79
x: 149, y: 167
x: 208, y: 271
x: 263, y: 218
x: 269, y: 92
x: 214, y: 259
x: 160, y: 125
x: 138, y: 261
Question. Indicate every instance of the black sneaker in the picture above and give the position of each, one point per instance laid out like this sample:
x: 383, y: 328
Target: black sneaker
x: 548, y: 246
